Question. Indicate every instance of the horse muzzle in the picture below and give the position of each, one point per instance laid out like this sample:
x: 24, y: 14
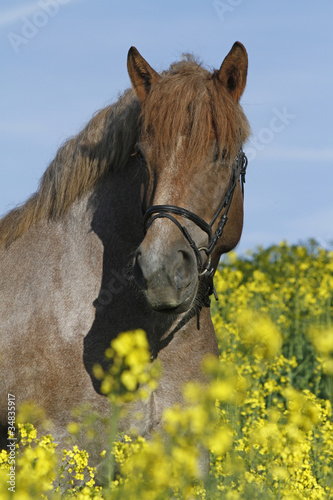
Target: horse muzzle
x: 168, y: 279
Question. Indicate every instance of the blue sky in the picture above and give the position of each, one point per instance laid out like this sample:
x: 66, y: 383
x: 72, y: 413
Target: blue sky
x: 62, y: 60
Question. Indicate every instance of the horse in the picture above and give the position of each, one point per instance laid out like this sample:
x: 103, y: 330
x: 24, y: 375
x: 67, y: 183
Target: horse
x: 125, y: 231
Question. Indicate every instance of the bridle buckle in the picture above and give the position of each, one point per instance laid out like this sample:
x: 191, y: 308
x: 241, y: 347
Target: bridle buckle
x: 208, y: 270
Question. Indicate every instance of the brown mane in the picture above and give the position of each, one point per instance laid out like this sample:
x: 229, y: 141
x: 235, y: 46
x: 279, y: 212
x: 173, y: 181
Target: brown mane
x: 196, y: 101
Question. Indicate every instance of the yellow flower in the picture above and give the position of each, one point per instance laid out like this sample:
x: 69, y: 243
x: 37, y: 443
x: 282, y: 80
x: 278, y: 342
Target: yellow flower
x: 73, y: 428
x: 259, y: 333
x: 131, y: 375
x: 322, y: 340
x: 220, y: 441
x: 129, y: 380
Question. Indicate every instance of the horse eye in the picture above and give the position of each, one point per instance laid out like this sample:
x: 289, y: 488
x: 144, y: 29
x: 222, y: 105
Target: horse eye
x: 138, y: 154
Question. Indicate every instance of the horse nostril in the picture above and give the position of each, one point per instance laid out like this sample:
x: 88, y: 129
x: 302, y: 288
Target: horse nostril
x: 137, y: 272
x: 183, y: 270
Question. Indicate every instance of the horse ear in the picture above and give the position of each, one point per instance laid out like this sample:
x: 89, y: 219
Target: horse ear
x: 233, y: 71
x: 141, y: 74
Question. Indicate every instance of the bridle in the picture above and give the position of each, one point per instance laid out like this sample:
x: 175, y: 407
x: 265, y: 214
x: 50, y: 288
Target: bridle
x: 206, y: 275
x: 168, y: 211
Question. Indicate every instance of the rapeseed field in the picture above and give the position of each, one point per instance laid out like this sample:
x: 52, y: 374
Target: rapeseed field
x: 265, y: 416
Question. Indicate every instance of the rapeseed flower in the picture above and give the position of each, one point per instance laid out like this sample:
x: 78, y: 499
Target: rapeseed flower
x: 259, y: 333
x: 322, y: 339
x: 131, y: 375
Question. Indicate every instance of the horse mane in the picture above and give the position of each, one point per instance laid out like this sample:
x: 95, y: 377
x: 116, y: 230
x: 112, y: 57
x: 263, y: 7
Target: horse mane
x: 106, y: 142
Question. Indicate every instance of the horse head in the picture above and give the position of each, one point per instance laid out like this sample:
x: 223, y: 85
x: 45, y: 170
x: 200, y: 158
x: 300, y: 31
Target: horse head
x: 191, y: 136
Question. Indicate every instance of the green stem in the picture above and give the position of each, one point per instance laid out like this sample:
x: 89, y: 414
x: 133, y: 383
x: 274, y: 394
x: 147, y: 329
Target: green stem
x: 330, y: 388
x: 112, y: 437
